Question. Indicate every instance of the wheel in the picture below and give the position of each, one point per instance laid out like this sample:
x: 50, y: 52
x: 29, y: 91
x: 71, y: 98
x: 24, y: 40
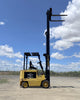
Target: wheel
x: 24, y: 84
x: 45, y: 84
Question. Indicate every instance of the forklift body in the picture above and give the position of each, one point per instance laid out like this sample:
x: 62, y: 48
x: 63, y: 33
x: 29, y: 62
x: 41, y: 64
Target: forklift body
x: 31, y: 77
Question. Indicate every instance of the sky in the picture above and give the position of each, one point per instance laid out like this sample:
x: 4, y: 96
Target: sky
x: 22, y: 29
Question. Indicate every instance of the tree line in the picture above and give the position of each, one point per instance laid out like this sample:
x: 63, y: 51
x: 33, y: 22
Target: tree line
x: 52, y: 73
x: 69, y: 74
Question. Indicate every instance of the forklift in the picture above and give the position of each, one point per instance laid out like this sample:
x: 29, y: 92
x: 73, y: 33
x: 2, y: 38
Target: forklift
x: 29, y: 77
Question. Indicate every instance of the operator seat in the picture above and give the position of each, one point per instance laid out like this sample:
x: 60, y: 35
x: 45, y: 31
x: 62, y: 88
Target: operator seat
x: 31, y: 66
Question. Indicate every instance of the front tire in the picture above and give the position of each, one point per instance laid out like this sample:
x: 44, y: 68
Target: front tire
x: 25, y: 84
x: 45, y: 84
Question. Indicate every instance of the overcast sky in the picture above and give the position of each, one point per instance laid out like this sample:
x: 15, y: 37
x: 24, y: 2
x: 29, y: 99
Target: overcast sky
x: 22, y: 28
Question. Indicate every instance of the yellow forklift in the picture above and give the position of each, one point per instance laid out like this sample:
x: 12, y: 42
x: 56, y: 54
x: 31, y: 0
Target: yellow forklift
x: 30, y: 77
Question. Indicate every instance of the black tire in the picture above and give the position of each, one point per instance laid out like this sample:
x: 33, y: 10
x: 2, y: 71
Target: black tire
x: 45, y: 84
x: 25, y: 84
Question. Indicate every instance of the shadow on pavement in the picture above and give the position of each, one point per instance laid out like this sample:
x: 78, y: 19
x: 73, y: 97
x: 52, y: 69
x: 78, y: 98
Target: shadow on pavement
x: 63, y: 87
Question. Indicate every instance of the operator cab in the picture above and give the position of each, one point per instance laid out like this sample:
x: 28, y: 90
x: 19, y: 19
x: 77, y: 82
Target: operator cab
x: 31, y: 66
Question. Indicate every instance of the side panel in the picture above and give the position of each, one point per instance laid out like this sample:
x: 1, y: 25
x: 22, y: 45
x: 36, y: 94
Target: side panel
x: 36, y: 81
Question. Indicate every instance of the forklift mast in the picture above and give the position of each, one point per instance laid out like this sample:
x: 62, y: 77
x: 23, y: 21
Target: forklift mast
x: 47, y: 55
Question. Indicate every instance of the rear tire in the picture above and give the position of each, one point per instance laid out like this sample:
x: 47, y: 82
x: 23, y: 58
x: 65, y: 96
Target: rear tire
x: 45, y: 84
x: 25, y: 84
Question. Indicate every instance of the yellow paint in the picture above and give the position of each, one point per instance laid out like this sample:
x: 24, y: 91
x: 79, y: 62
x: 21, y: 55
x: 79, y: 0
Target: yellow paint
x: 31, y: 81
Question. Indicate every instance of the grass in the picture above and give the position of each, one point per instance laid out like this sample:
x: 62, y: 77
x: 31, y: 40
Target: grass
x: 3, y: 81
